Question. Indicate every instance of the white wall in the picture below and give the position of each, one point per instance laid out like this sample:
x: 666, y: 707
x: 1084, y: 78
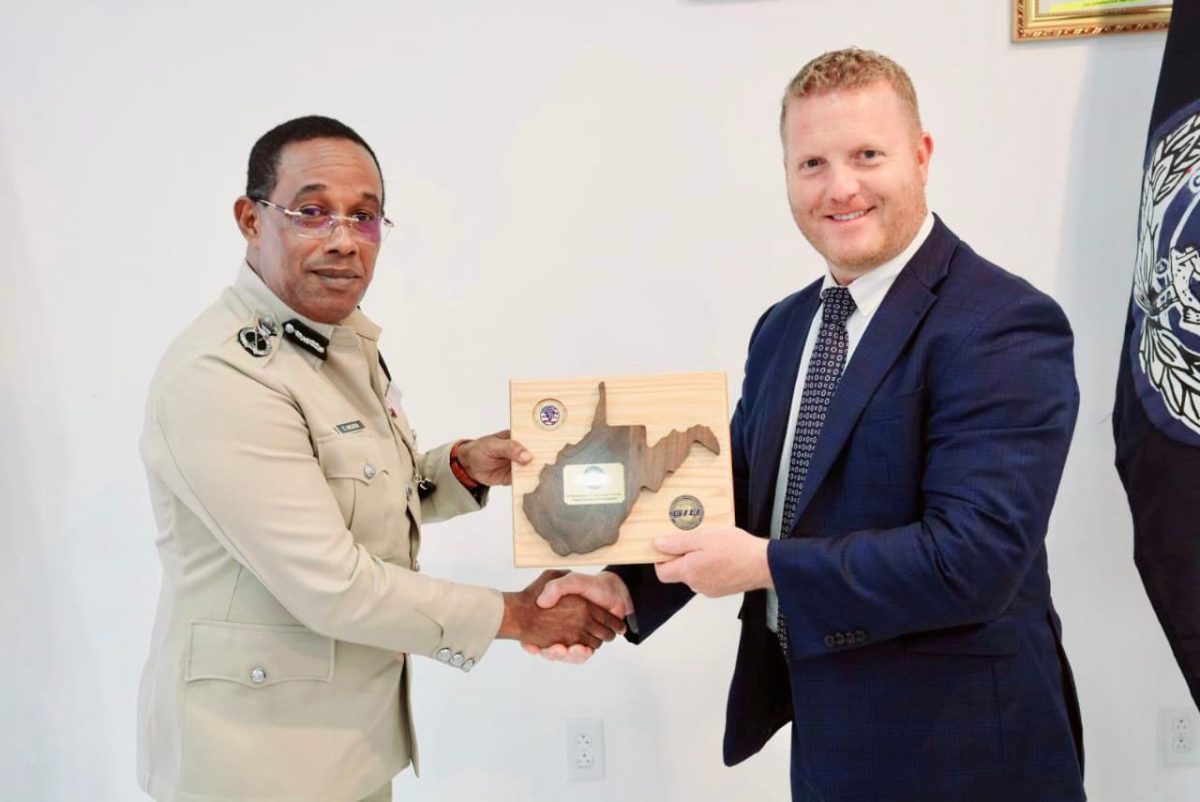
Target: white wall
x: 558, y: 170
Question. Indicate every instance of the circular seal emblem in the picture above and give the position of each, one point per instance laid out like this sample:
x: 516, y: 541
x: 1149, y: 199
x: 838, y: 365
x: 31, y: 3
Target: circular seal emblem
x: 1165, y: 346
x: 686, y: 512
x: 549, y: 414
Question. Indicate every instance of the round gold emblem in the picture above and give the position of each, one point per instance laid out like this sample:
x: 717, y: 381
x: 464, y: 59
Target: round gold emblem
x: 686, y: 512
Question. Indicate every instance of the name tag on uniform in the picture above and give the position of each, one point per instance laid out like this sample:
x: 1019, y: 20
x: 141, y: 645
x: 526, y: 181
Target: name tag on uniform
x: 350, y: 426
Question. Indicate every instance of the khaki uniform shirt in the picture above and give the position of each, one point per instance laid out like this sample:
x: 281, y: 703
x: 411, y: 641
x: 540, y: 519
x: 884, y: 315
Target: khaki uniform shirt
x: 288, y: 527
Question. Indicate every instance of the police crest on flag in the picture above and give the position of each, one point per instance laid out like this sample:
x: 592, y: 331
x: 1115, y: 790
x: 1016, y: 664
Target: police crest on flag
x: 1166, y: 281
x: 1156, y: 413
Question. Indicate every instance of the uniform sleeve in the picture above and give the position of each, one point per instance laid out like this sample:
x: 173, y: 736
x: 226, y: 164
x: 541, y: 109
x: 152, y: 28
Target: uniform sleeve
x: 237, y: 453
x: 450, y: 498
x: 996, y: 434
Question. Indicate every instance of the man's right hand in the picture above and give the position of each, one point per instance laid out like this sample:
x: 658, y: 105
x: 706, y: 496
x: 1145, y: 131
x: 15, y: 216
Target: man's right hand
x: 573, y: 621
x: 605, y: 589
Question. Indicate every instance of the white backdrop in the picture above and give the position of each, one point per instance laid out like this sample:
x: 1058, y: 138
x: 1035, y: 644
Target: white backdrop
x: 580, y: 187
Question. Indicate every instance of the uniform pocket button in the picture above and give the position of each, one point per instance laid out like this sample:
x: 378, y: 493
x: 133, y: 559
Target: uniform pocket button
x: 258, y: 676
x: 369, y: 471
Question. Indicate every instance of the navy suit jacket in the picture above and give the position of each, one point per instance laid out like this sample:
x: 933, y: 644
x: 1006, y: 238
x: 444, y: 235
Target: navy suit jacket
x: 925, y: 657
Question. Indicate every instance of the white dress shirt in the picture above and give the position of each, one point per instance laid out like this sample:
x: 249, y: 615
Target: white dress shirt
x: 868, y: 291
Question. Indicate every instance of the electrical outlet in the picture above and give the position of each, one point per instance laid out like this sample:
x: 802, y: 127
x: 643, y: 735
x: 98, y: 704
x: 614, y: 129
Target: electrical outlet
x: 1179, y: 736
x: 585, y: 749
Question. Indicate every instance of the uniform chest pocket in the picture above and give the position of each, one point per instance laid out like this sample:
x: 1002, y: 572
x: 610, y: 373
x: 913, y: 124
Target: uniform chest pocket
x: 359, y: 480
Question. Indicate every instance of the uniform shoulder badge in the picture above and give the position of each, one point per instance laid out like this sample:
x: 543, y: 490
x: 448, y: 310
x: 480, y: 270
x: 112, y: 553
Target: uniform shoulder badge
x: 256, y: 339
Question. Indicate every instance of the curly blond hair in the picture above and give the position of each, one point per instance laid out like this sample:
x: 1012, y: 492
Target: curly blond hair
x: 850, y: 68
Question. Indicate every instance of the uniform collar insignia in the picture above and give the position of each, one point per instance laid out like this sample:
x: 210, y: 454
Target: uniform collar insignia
x: 306, y: 338
x: 256, y: 339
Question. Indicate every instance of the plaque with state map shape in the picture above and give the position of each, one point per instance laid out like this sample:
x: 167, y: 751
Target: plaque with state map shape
x: 584, y: 496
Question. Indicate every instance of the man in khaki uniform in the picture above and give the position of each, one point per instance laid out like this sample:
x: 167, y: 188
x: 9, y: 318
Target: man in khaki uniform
x: 289, y: 494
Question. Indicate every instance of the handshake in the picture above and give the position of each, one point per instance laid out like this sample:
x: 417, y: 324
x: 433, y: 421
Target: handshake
x: 566, y: 616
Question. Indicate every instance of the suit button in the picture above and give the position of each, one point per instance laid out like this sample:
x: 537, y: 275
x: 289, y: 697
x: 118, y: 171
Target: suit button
x: 829, y: 641
x: 443, y: 655
x: 369, y: 471
x: 860, y: 636
x: 258, y: 676
x: 468, y: 664
x: 456, y: 660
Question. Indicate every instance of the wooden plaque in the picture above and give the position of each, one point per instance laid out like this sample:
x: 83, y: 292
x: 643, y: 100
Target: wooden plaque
x: 655, y: 460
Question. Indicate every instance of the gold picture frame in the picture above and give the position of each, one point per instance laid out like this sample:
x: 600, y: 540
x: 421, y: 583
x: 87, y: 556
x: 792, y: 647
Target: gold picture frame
x: 1058, y: 19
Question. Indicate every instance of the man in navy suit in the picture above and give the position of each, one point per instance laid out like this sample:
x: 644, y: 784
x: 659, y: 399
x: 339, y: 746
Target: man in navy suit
x: 896, y: 452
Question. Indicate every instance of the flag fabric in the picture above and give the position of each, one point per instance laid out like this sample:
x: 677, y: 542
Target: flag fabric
x: 1156, y: 417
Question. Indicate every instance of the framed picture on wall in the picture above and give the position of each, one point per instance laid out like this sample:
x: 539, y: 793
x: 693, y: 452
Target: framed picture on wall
x: 1055, y: 19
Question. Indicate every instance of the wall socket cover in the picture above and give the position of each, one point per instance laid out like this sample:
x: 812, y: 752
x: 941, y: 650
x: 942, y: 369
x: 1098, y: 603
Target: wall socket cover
x: 585, y: 749
x: 1179, y: 736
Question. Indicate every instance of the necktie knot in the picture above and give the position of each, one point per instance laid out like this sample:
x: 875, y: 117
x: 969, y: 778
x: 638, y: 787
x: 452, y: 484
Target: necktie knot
x: 839, y: 304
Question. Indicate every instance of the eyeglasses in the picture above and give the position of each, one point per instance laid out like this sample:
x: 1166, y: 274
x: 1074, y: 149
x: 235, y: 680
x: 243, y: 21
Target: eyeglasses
x: 314, y: 222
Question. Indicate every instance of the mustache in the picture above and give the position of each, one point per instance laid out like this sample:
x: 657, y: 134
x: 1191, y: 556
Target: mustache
x: 346, y: 266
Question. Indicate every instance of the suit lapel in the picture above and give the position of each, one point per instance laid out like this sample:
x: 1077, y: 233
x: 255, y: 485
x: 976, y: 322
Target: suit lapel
x: 774, y: 420
x: 899, y: 315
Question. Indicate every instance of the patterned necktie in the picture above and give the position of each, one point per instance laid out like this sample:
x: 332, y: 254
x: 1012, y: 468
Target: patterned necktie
x: 820, y: 382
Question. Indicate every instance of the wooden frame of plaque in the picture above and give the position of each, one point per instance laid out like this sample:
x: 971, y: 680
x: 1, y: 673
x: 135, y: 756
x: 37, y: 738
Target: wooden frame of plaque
x: 617, y: 461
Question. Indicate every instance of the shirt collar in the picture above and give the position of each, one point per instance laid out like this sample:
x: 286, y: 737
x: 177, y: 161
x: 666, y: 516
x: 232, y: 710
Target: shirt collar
x: 869, y: 289
x: 254, y: 292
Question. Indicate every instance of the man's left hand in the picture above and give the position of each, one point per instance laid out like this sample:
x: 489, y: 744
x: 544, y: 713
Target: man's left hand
x: 489, y: 460
x: 716, y: 561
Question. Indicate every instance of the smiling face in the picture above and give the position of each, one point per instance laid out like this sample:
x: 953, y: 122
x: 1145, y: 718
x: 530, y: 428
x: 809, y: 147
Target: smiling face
x: 856, y: 164
x: 322, y: 279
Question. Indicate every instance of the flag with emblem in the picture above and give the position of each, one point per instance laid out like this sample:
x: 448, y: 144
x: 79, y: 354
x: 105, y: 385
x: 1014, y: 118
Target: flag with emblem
x: 1156, y: 418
